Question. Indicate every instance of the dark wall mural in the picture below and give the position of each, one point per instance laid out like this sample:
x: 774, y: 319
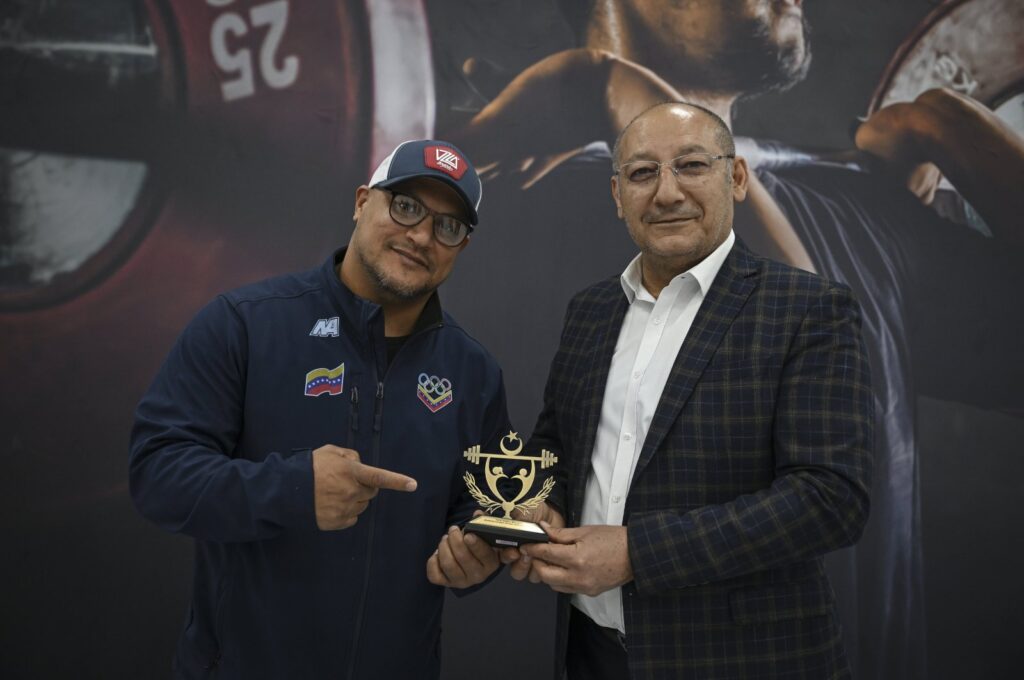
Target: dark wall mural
x: 154, y: 153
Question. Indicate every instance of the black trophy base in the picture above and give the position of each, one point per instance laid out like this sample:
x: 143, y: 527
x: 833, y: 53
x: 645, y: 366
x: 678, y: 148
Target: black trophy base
x: 501, y: 532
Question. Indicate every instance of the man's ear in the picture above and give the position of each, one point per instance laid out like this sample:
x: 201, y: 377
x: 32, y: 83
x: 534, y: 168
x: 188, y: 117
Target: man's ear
x: 740, y: 175
x: 362, y: 196
x: 615, y: 195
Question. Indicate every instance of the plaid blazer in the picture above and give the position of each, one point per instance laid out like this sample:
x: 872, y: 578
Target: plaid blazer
x: 756, y: 464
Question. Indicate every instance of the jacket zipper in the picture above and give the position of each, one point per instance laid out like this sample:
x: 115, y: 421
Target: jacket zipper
x: 378, y: 408
x: 353, y: 417
x: 378, y: 418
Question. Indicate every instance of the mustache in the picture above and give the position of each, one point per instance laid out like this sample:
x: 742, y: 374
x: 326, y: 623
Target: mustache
x: 671, y: 216
x: 415, y: 251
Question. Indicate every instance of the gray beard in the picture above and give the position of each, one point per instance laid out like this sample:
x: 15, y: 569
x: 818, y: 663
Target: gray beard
x: 389, y: 286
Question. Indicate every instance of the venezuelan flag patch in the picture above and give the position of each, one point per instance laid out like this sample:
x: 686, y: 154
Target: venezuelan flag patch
x: 325, y: 381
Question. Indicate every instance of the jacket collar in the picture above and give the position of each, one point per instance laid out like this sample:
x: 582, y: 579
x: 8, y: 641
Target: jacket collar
x: 360, y: 313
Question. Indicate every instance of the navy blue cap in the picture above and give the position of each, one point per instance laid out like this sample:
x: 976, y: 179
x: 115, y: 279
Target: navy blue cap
x: 436, y: 159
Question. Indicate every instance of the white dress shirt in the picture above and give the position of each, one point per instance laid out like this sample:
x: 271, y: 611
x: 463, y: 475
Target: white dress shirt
x: 652, y: 332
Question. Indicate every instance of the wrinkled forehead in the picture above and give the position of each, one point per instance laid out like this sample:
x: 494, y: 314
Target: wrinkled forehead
x: 667, y: 132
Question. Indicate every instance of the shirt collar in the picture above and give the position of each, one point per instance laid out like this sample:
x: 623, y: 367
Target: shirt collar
x: 704, y: 272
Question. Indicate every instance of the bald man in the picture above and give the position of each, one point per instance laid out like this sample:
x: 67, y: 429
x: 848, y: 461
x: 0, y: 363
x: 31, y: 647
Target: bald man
x: 714, y: 415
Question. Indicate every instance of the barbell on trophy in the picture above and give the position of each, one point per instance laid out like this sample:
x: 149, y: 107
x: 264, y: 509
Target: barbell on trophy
x: 506, y: 531
x: 546, y: 458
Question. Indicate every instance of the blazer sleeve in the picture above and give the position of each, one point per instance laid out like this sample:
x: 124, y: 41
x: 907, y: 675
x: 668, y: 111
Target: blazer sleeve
x: 822, y: 447
x: 183, y: 473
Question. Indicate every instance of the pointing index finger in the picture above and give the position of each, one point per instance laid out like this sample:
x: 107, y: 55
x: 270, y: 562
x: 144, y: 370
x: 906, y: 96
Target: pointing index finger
x: 379, y: 478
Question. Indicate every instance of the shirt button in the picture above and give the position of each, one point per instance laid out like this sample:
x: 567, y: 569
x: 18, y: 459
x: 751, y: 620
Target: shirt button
x: 628, y: 437
x: 657, y: 320
x: 616, y: 499
x: 637, y: 374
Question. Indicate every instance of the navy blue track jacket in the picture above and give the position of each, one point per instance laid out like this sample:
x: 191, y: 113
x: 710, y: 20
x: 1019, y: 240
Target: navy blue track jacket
x: 221, y: 451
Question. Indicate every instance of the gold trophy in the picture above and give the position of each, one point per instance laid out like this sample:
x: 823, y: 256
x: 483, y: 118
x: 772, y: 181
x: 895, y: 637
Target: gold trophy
x: 505, y: 531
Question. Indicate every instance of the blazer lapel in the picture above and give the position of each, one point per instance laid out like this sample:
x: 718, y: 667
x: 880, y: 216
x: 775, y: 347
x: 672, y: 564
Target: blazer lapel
x: 606, y: 336
x: 730, y: 290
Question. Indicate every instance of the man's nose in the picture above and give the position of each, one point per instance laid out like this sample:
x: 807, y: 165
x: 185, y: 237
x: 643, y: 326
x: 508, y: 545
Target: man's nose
x: 423, y: 233
x: 667, y: 190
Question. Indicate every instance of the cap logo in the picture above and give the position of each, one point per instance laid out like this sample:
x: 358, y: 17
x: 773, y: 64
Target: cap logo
x: 445, y: 160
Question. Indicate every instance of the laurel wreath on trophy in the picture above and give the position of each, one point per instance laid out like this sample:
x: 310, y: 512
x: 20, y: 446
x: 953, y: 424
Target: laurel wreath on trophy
x: 489, y: 505
x: 495, y: 473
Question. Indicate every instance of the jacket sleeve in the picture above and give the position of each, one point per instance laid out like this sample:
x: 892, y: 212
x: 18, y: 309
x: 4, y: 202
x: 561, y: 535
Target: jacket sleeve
x: 495, y: 425
x: 822, y: 440
x: 184, y: 474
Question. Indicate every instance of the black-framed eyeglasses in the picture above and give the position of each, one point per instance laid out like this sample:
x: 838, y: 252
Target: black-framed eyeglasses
x: 407, y: 211
x: 690, y: 168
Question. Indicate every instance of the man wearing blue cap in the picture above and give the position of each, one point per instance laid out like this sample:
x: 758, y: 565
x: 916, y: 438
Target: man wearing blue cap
x: 283, y: 410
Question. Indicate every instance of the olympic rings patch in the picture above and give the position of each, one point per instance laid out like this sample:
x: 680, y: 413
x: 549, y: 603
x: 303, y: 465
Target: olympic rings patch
x: 434, y: 385
x: 434, y: 392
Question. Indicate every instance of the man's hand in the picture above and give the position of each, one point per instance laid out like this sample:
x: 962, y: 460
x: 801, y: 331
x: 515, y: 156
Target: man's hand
x: 587, y: 560
x: 896, y: 135
x: 343, y: 487
x: 461, y: 560
x: 521, y: 564
x: 980, y: 154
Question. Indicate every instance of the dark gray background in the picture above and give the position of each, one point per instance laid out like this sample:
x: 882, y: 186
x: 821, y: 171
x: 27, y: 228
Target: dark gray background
x: 93, y: 591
